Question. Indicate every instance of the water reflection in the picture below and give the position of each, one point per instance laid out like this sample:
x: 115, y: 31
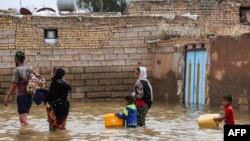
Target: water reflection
x: 85, y: 122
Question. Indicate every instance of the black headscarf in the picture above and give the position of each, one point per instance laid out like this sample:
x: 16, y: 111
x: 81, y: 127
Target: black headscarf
x: 58, y: 74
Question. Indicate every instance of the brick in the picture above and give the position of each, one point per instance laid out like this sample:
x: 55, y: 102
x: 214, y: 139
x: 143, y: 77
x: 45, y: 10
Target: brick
x: 95, y: 51
x: 117, y: 94
x: 97, y: 57
x: 138, y: 42
x: 143, y: 34
x: 103, y: 69
x: 69, y: 63
x: 124, y: 43
x: 77, y: 83
x: 130, y: 50
x: 8, y: 58
x: 119, y: 62
x: 111, y: 75
x: 122, y: 75
x: 115, y: 69
x: 31, y: 52
x: 146, y: 56
x: 76, y: 57
x: 128, y: 81
x: 94, y: 63
x: 151, y: 28
x: 12, y: 41
x: 6, y: 65
x: 110, y: 56
x: 86, y: 57
x: 104, y: 82
x: 69, y: 76
x: 92, y: 69
x: 118, y: 50
x: 54, y: 58
x: 142, y: 50
x: 6, y: 71
x: 71, y: 51
x: 131, y: 62
x: 98, y: 88
x: 76, y: 70
x: 44, y: 63
x: 113, y: 43
x: 98, y: 75
x: 119, y: 34
x: 4, y: 41
x: 87, y: 76
x: 116, y: 81
x: 59, y: 51
x: 92, y: 95
x: 4, y: 52
x: 9, y: 32
x: 84, y: 51
x: 107, y: 63
x: 108, y: 50
x: 8, y: 78
x: 46, y: 52
x: 30, y: 58
x: 134, y: 56
x: 107, y: 88
x: 66, y: 57
x: 131, y: 34
x: 77, y: 76
x: 82, y: 63
x: 139, y: 29
x: 78, y: 95
x: 104, y: 94
x: 41, y: 58
x: 122, y: 56
x: 92, y: 82
x: 128, y: 68
x: 57, y: 63
x: 36, y: 64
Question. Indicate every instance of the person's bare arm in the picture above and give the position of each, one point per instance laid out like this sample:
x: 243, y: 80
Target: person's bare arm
x: 10, y: 92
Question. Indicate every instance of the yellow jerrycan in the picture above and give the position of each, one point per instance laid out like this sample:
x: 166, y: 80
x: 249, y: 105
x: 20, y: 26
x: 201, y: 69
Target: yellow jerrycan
x: 111, y: 120
x: 206, y: 121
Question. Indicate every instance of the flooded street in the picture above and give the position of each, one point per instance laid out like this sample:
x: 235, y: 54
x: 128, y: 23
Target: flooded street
x: 85, y: 122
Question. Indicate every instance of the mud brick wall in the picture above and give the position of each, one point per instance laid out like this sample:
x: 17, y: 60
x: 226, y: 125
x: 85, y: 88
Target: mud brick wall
x: 226, y: 12
x: 93, y: 73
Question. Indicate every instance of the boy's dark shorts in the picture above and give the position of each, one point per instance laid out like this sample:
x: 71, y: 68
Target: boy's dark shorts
x: 24, y: 103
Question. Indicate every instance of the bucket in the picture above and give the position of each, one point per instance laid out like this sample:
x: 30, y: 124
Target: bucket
x: 113, y: 121
x: 206, y: 121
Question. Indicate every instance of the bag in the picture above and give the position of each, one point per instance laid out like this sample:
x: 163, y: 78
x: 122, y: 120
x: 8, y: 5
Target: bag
x: 35, y: 81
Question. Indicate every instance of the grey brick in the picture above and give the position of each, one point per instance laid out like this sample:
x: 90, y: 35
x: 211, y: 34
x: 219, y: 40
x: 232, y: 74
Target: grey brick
x: 86, y: 57
x: 96, y: 51
x: 118, y: 50
x: 87, y: 76
x: 98, y: 76
x: 41, y: 58
x: 31, y: 52
x: 12, y: 41
x: 97, y: 57
x: 131, y: 34
x: 4, y: 52
x: 119, y: 62
x: 71, y: 51
x: 122, y: 56
x: 130, y: 50
x: 103, y: 69
x: 110, y: 56
x: 69, y: 63
x: 55, y: 58
x: 92, y: 95
x: 107, y: 63
x: 98, y: 88
x: 91, y: 69
x: 82, y: 63
x: 119, y: 34
x: 84, y: 51
x: 104, y: 82
x: 92, y: 82
x: 116, y: 81
x: 59, y: 51
x: 9, y: 32
x: 76, y: 70
x: 108, y: 50
x: 142, y: 50
x: 94, y: 63
x: 46, y: 52
x: 116, y: 69
x: 131, y: 62
x: 4, y: 41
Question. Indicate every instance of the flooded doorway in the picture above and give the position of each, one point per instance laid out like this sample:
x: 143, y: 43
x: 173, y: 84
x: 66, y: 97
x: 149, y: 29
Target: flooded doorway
x: 195, y: 74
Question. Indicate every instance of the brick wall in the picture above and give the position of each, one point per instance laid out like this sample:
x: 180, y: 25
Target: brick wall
x: 92, y: 72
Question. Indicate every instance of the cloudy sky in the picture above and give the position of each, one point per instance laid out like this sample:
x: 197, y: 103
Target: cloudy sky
x: 5, y: 4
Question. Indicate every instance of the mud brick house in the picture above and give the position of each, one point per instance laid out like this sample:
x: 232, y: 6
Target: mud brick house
x: 196, y: 51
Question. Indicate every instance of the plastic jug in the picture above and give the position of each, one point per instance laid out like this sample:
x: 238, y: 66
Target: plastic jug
x: 206, y: 121
x: 113, y: 121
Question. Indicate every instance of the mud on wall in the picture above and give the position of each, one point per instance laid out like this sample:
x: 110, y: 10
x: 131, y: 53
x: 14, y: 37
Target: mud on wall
x: 229, y: 70
x: 167, y: 69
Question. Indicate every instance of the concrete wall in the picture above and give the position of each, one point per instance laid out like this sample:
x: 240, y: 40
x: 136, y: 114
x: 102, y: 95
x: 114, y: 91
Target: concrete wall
x: 229, y: 70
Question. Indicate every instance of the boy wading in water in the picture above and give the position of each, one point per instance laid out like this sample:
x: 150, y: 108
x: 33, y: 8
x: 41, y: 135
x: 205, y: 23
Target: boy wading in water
x: 19, y: 83
x: 129, y: 114
x: 228, y: 111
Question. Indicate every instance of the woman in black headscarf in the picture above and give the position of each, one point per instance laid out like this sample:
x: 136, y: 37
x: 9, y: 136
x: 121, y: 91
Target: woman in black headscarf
x: 58, y: 104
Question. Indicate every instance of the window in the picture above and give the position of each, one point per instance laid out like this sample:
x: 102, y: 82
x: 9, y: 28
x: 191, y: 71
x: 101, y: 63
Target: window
x: 50, y: 36
x: 245, y: 15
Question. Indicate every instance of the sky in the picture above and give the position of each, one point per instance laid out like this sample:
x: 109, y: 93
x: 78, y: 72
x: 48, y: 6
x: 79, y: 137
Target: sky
x: 5, y: 4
